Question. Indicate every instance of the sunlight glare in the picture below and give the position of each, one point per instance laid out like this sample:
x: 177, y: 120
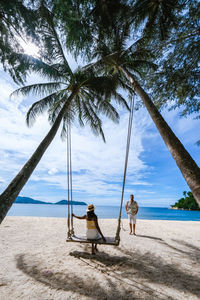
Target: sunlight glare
x: 30, y: 49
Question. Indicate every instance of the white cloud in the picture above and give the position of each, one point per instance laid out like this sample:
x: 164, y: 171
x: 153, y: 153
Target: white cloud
x: 52, y: 171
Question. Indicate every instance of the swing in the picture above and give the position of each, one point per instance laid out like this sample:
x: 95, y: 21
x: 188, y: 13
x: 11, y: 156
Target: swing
x: 71, y: 237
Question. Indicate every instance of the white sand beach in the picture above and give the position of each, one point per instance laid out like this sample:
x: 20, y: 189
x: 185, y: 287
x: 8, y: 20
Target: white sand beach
x: 161, y: 262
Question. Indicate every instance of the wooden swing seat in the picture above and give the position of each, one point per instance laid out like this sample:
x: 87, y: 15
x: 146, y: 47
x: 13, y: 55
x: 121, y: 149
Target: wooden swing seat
x: 83, y: 239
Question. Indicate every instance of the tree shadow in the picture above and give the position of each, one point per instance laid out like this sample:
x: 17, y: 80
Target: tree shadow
x: 190, y: 250
x: 102, y: 257
x: 150, y: 267
x: 149, y: 237
x: 126, y: 275
x: 90, y: 287
x: 156, y: 270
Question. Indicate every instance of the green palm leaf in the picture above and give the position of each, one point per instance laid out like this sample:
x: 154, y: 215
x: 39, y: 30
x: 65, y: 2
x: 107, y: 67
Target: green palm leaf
x: 38, y: 89
x: 39, y: 107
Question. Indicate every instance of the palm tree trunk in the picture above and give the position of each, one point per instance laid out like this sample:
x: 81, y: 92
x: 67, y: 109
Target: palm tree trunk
x: 187, y: 166
x: 8, y: 197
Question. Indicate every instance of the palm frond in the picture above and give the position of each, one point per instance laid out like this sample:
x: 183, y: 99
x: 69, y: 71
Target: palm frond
x: 106, y: 108
x: 26, y: 63
x: 157, y: 15
x: 79, y: 110
x: 141, y: 63
x: 16, y: 22
x: 91, y: 118
x: 120, y: 100
x: 52, y: 40
x: 39, y: 107
x: 57, y: 106
x: 125, y: 84
x: 38, y: 89
x: 67, y: 121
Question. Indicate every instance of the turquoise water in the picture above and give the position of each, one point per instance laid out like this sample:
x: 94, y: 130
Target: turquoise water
x: 103, y: 212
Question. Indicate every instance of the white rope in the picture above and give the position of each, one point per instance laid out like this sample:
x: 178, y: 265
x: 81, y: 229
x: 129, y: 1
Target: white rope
x: 69, y: 183
x: 117, y: 237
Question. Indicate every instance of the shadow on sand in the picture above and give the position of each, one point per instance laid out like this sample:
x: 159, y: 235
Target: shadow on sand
x: 128, y: 275
x: 149, y: 237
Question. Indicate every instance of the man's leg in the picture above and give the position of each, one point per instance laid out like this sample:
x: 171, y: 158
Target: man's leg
x: 134, y: 229
x: 134, y: 225
x: 130, y: 225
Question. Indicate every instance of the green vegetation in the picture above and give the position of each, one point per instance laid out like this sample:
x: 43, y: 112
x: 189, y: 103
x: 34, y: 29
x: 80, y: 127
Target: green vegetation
x: 187, y: 202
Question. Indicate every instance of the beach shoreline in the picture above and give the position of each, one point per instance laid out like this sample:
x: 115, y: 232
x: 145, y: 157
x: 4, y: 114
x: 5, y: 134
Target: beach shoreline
x: 103, y: 212
x: 161, y: 262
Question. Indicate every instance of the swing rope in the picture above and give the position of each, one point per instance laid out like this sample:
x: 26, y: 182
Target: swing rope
x: 117, y: 237
x: 69, y: 183
x: 70, y: 166
x: 69, y: 176
x: 68, y: 189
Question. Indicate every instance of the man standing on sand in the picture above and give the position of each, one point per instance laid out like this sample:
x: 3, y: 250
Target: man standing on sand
x: 131, y: 207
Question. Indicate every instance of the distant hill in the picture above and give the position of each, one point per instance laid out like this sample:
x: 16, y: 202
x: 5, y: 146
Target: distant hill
x: 28, y: 200
x: 74, y: 202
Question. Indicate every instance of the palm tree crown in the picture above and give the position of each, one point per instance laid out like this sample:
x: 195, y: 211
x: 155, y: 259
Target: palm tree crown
x: 92, y: 93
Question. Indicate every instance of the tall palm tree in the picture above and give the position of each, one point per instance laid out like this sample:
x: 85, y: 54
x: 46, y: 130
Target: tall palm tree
x: 115, y: 57
x: 68, y: 95
x: 81, y: 96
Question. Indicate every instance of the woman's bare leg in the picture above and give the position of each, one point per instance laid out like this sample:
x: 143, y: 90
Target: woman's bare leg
x: 93, y: 249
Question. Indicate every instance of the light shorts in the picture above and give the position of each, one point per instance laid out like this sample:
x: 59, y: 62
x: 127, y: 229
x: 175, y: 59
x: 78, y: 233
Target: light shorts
x: 132, y: 219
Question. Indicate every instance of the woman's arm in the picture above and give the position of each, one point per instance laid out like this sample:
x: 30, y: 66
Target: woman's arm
x: 83, y: 217
x: 98, y: 228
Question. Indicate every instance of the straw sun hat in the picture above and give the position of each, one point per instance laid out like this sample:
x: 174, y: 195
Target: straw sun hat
x: 91, y: 207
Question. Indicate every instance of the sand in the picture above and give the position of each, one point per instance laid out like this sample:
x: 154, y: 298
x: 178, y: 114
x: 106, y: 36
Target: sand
x: 161, y: 262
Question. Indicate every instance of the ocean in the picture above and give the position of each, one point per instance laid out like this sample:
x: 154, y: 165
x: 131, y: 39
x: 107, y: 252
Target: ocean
x: 103, y: 212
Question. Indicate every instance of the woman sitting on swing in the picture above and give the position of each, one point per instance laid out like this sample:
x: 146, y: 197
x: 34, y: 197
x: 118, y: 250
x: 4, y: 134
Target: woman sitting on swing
x: 93, y: 231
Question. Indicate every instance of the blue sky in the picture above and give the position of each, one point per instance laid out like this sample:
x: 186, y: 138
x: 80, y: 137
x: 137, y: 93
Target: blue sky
x: 152, y: 176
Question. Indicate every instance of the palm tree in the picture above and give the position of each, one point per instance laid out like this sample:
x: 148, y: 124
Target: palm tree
x: 83, y: 97
x: 129, y: 63
x: 68, y: 95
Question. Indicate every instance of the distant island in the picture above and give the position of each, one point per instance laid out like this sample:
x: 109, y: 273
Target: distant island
x: 27, y: 200
x: 187, y: 202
